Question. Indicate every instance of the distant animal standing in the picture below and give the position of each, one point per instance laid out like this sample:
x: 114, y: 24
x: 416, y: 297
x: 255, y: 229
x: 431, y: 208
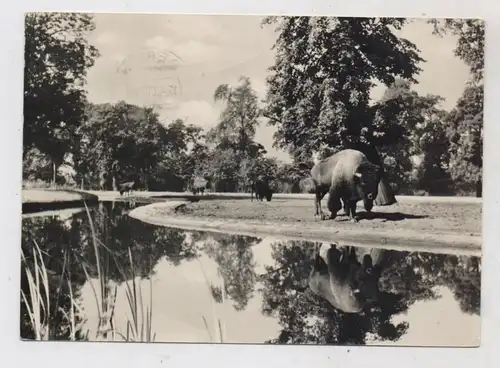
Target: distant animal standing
x: 126, y: 187
x: 261, y: 188
x: 347, y: 280
x: 199, y: 185
x: 346, y: 176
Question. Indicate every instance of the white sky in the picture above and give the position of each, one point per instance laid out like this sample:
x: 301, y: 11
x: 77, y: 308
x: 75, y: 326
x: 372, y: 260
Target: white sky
x: 213, y: 50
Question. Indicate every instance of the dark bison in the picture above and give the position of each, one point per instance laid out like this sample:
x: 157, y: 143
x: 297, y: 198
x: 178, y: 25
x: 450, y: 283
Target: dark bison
x: 126, y: 187
x: 261, y: 188
x: 348, y: 176
x: 346, y: 278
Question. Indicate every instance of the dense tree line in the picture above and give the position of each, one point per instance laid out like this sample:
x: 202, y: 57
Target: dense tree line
x: 318, y: 99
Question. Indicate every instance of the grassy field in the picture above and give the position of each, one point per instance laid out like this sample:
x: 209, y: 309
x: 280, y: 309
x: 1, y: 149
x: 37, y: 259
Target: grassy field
x: 436, y: 218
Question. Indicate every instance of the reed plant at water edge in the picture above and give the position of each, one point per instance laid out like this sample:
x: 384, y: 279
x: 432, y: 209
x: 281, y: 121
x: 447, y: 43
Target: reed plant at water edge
x: 41, y: 306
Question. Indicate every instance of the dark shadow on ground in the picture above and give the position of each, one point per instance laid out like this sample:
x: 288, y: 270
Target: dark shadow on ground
x: 388, y: 216
x: 384, y: 216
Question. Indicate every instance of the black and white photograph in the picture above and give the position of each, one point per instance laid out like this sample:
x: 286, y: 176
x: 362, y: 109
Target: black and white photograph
x: 249, y: 179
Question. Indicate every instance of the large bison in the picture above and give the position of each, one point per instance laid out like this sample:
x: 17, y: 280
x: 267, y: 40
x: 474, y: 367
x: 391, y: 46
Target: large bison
x: 261, y: 188
x: 346, y: 278
x: 348, y: 176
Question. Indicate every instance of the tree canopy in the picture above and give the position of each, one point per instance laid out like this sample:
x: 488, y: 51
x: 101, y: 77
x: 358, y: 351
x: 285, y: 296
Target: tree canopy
x: 465, y: 121
x: 319, y: 99
x: 57, y: 56
x: 325, y: 67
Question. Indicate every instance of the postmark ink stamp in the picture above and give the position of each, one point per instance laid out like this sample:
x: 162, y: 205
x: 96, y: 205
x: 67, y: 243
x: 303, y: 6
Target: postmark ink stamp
x: 151, y: 78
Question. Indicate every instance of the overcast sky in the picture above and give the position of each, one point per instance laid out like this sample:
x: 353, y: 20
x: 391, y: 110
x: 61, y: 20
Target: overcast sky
x: 202, y: 52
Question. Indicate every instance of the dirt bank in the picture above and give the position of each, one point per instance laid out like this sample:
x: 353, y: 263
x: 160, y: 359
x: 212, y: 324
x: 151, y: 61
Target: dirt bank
x: 441, y: 228
x: 35, y: 200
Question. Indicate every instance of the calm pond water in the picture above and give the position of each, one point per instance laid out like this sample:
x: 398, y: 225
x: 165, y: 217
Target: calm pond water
x: 169, y: 285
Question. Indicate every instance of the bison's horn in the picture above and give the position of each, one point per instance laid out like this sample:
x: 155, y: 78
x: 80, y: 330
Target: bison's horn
x: 357, y: 174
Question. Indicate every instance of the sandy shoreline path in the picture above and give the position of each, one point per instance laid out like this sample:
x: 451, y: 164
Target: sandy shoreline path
x: 433, y: 227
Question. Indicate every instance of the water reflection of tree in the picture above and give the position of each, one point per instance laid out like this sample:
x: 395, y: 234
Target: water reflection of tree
x: 234, y: 257
x: 148, y: 243
x: 461, y: 274
x: 407, y: 277
x: 72, y: 238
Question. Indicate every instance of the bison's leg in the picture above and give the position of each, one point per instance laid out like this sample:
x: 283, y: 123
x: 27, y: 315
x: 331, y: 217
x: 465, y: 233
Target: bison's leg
x: 368, y: 203
x: 334, y: 204
x: 317, y: 203
x: 352, y: 207
x: 346, y: 206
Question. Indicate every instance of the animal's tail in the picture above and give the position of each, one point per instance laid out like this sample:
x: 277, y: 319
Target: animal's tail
x: 385, y: 195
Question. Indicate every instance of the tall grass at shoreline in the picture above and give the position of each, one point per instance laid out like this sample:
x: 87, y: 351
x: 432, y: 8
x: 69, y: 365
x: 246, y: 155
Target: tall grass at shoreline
x: 42, y: 307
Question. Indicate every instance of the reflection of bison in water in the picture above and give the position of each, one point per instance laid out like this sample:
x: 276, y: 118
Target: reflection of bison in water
x: 126, y: 187
x: 261, y: 188
x: 348, y: 176
x: 347, y: 278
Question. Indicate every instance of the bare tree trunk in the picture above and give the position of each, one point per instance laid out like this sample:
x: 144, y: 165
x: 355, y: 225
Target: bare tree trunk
x: 53, y: 174
x: 479, y: 188
x: 115, y: 186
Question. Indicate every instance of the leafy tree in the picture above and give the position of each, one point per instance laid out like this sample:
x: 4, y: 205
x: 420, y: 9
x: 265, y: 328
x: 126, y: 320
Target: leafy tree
x: 434, y: 145
x: 325, y: 67
x: 184, y: 154
x: 222, y: 167
x: 37, y: 165
x: 470, y: 42
x: 465, y: 122
x: 420, y: 123
x: 251, y: 167
x: 120, y: 142
x: 465, y: 131
x: 239, y: 120
x: 57, y: 57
